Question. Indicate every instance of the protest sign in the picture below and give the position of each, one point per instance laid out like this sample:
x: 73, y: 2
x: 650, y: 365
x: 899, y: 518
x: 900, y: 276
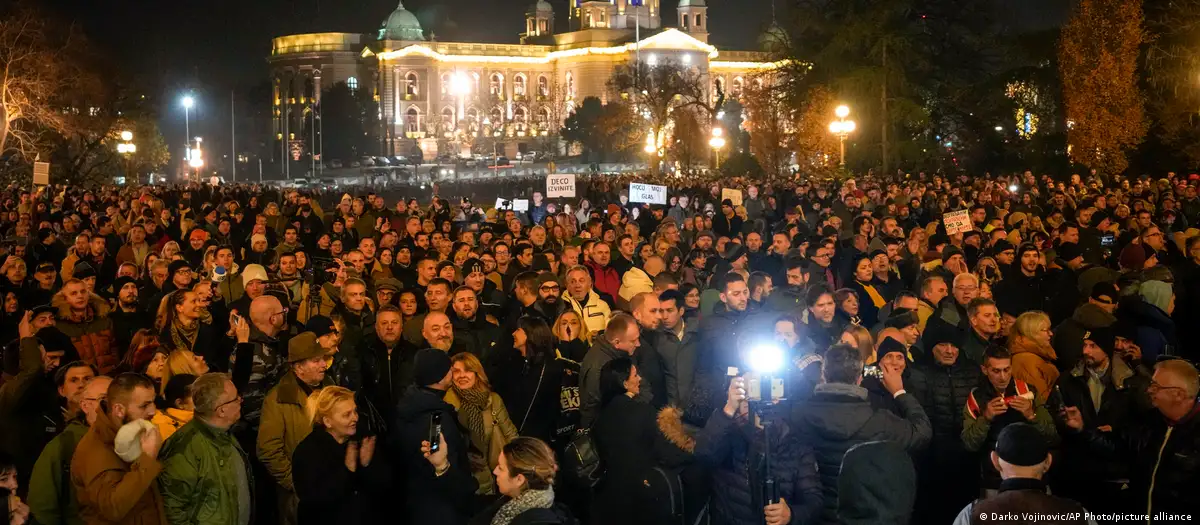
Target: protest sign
x: 647, y: 193
x: 560, y: 185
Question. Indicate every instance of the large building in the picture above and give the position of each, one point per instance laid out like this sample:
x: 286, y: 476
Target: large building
x: 436, y: 95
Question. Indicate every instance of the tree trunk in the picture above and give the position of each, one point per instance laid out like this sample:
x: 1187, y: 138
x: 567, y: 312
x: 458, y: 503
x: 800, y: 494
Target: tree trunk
x: 886, y: 120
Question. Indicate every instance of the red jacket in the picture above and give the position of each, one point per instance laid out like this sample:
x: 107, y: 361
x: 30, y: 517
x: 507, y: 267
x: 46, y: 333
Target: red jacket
x: 605, y: 279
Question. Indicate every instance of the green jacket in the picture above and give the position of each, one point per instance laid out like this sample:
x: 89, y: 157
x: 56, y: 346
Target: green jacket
x: 51, y: 496
x: 198, y: 481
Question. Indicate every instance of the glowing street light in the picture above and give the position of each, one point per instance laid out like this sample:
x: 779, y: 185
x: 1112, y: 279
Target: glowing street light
x: 842, y: 128
x: 717, y: 142
x: 126, y: 136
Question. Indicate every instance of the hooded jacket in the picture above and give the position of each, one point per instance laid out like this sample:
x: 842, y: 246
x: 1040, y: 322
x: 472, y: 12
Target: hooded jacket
x: 444, y: 499
x: 1033, y: 363
x: 635, y: 281
x: 877, y: 485
x: 839, y: 416
x: 595, y: 313
x: 1068, y: 335
x: 91, y: 331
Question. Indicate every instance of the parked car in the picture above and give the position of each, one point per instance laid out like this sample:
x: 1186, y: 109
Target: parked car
x: 335, y: 164
x: 366, y: 161
x: 382, y: 161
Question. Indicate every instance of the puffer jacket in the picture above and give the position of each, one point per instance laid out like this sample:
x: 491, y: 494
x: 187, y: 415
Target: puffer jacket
x: 738, y: 471
x: 1034, y: 364
x: 109, y: 490
x: 839, y: 416
x: 942, y: 391
x: 635, y: 281
x: 199, y: 476
x: 604, y: 278
x: 283, y: 426
x: 91, y: 332
x: 595, y: 314
x: 878, y: 485
x: 1068, y: 335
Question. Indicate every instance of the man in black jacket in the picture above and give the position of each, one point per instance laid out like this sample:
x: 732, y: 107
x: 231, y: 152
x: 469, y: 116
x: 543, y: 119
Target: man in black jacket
x: 1163, y: 476
x: 472, y: 326
x: 387, y: 362
x: 438, y: 483
x: 839, y: 416
x: 947, y: 477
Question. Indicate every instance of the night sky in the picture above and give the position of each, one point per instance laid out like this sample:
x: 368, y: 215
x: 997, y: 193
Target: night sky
x: 212, y: 46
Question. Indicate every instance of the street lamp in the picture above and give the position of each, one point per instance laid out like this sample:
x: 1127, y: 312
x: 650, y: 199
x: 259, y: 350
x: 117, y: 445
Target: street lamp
x: 127, y: 148
x: 187, y: 102
x: 842, y: 128
x: 717, y: 142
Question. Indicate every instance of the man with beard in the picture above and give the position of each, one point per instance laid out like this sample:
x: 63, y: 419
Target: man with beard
x: 720, y: 333
x: 437, y: 299
x: 791, y: 297
x: 490, y: 298
x: 473, y: 327
x: 647, y: 312
x: 437, y: 332
x: 109, y: 489
x: 127, y: 316
x: 549, y: 303
x: 1026, y: 287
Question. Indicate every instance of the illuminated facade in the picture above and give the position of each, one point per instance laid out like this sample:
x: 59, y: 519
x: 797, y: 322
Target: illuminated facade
x: 439, y: 95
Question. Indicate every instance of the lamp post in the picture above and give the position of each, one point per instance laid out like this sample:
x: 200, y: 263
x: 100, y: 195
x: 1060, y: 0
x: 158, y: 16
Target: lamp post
x: 187, y: 102
x: 127, y: 148
x: 842, y: 128
x: 717, y: 142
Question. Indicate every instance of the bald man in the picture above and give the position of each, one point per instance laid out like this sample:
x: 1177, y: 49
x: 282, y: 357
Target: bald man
x: 50, y: 499
x: 437, y: 331
x: 1160, y: 450
x: 259, y: 358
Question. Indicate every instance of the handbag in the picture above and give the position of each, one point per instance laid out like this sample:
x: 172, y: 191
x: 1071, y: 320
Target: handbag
x: 581, y: 460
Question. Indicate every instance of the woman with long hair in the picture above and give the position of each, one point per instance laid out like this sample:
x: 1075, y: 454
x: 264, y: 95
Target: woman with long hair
x: 530, y: 379
x: 1033, y: 356
x: 184, y: 324
x: 170, y: 251
x: 339, y: 477
x: 572, y: 335
x: 525, y: 477
x: 860, y: 338
x: 862, y: 281
x: 483, y: 414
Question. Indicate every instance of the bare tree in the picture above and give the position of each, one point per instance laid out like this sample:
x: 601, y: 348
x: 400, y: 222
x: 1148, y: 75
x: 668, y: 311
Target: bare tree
x: 770, y: 122
x: 37, y: 64
x: 657, y: 92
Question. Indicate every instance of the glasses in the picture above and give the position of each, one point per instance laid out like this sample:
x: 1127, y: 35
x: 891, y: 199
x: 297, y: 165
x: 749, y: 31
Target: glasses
x: 549, y: 288
x: 1155, y: 386
x: 237, y: 399
x: 281, y: 312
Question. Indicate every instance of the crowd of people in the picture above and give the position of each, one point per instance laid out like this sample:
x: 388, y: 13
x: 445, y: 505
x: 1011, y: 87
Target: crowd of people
x: 789, y: 351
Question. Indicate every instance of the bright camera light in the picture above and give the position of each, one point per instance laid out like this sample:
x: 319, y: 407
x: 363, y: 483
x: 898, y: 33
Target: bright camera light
x: 766, y: 358
x: 1012, y: 188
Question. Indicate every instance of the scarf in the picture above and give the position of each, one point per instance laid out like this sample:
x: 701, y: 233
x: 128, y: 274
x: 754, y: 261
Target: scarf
x: 474, y: 402
x: 530, y: 499
x: 184, y: 336
x: 876, y: 299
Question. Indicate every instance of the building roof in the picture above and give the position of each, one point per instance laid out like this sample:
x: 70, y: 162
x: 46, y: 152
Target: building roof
x: 401, y: 25
x: 691, y: 3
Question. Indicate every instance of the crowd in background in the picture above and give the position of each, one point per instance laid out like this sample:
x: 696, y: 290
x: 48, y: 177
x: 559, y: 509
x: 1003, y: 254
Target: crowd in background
x: 946, y: 347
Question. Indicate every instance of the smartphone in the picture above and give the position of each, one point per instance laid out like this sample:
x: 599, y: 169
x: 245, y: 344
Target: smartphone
x: 873, y: 371
x: 1108, y: 239
x: 435, y: 431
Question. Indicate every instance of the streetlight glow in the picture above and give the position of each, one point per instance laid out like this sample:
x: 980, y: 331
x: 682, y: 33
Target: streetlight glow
x: 188, y: 101
x: 842, y: 111
x: 842, y: 127
x: 459, y: 84
x: 126, y: 136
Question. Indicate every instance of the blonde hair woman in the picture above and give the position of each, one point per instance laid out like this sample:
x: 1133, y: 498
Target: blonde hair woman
x: 170, y: 250
x: 182, y: 361
x: 333, y: 472
x: 525, y: 476
x: 860, y: 338
x: 1032, y: 356
x: 572, y: 335
x: 483, y: 414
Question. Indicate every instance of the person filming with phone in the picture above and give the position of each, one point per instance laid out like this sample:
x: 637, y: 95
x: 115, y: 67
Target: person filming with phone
x: 431, y: 447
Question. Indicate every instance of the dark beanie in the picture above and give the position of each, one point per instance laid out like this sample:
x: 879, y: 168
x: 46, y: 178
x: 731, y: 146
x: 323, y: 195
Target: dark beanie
x: 1025, y: 247
x: 889, y: 345
x: 901, y: 318
x: 54, y: 340
x: 1002, y: 246
x: 1020, y: 444
x: 176, y: 266
x: 950, y: 251
x: 120, y: 282
x: 430, y: 366
x: 1105, y: 338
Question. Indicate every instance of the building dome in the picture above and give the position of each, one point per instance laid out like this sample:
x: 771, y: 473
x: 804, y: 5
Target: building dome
x: 401, y: 25
x: 542, y: 5
x: 774, y: 39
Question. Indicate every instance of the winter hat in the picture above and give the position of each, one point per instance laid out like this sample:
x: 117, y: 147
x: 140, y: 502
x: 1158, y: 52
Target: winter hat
x: 1105, y: 292
x: 176, y: 266
x: 198, y: 234
x: 471, y: 266
x: 54, y: 340
x: 253, y: 272
x: 950, y: 251
x: 901, y: 318
x: 258, y: 237
x: 1024, y: 248
x: 546, y: 277
x: 1020, y: 444
x: 430, y: 366
x: 304, y: 346
x: 128, y: 444
x: 877, y: 484
x: 388, y: 283
x: 320, y: 325
x: 889, y: 345
x: 83, y: 270
x: 1133, y: 257
x: 1002, y: 246
x: 120, y: 283
x: 44, y: 233
x: 1156, y: 293
x: 1103, y: 337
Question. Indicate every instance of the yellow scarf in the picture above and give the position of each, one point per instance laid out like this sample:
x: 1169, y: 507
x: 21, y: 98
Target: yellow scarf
x: 877, y: 299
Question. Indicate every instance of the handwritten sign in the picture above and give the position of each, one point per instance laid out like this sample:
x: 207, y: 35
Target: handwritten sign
x: 647, y: 193
x: 41, y: 173
x: 957, y: 222
x: 520, y: 204
x: 734, y: 196
x: 560, y: 185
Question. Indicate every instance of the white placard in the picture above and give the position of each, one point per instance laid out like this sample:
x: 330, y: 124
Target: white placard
x: 560, y: 185
x: 500, y: 203
x: 647, y: 193
x: 41, y: 173
x: 957, y: 222
x: 734, y: 196
x: 520, y: 204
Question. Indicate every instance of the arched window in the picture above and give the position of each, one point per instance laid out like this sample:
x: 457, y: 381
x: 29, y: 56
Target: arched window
x: 410, y: 84
x: 497, y: 116
x: 447, y: 86
x: 543, y: 88
x: 519, y: 85
x: 472, y: 114
x: 519, y: 114
x: 737, y: 87
x: 352, y: 83
x: 544, y: 115
x: 497, y: 85
x: 447, y: 115
x: 718, y: 86
x: 413, y: 118
x: 570, y: 85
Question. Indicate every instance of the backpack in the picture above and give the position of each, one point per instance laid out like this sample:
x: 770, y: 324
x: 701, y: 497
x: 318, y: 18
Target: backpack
x: 663, y: 494
x: 581, y: 460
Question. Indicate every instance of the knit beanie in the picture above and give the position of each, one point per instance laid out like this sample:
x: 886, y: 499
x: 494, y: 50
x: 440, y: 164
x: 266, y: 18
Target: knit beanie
x: 1133, y: 257
x: 430, y: 366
